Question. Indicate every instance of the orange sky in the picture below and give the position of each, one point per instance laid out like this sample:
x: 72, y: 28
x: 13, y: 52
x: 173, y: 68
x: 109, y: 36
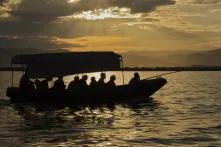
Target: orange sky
x: 81, y: 25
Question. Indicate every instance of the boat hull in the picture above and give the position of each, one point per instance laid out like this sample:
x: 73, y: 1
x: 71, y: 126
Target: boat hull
x: 120, y: 94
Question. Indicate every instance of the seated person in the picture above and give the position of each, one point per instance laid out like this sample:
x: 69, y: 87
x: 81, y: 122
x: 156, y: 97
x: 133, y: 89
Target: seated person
x: 111, y: 83
x: 101, y: 81
x: 74, y: 84
x: 44, y: 83
x: 93, y: 82
x: 38, y: 84
x: 59, y: 84
x: 135, y: 79
x: 26, y: 83
x: 83, y: 81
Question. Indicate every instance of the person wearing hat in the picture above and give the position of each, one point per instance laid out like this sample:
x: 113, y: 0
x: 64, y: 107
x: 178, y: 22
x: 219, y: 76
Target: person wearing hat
x: 135, y: 79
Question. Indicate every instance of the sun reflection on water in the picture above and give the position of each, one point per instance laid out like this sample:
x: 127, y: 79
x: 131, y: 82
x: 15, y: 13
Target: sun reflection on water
x: 186, y: 112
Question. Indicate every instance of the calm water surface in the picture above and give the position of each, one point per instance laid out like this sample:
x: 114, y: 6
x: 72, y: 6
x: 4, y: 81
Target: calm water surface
x: 186, y: 112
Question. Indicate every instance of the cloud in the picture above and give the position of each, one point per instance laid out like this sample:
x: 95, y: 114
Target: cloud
x: 47, y: 10
x: 41, y: 10
x: 189, y: 16
x: 203, y: 2
x: 2, y: 2
x: 112, y: 12
x: 37, y: 42
x: 136, y: 6
x: 6, y: 7
x: 100, y: 43
x: 206, y: 1
x: 175, y: 23
x: 55, y: 17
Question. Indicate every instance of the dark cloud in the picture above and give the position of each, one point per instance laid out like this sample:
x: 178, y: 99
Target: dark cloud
x: 47, y: 10
x: 64, y: 29
x: 2, y: 2
x: 136, y: 6
x: 41, y: 10
x: 40, y: 18
x: 206, y: 1
x: 15, y: 45
x: 38, y: 42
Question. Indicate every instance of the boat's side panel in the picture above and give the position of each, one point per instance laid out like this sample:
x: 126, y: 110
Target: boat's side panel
x: 122, y: 93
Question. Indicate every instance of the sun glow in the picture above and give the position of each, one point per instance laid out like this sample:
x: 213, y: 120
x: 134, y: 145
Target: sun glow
x: 73, y: 1
x: 98, y: 43
x: 113, y: 12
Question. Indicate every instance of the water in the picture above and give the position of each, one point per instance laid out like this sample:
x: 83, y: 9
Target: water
x: 186, y: 112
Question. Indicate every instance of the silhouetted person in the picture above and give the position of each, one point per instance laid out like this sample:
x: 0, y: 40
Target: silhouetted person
x: 93, y: 82
x: 44, y: 83
x: 101, y: 81
x: 38, y: 84
x: 26, y: 83
x: 59, y: 84
x: 83, y: 81
x: 135, y: 79
x: 74, y: 84
x: 111, y: 82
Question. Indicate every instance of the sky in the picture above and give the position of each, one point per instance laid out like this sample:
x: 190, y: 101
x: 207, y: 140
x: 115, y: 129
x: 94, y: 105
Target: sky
x: 117, y: 25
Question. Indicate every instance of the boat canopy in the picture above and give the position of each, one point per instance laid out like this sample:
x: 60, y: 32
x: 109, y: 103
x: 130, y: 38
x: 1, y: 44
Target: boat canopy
x: 62, y: 64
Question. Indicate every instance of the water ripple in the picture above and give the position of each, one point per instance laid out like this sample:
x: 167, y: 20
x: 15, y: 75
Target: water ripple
x: 186, y: 112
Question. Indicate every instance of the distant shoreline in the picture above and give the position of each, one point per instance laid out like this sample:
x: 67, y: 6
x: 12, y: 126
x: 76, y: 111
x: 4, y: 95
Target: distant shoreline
x: 206, y: 68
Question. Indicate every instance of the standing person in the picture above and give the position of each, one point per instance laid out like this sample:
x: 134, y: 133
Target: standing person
x: 101, y: 81
x: 111, y: 82
x: 135, y: 79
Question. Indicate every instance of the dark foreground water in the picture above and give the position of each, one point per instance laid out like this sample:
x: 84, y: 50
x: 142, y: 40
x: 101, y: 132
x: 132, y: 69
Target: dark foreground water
x: 186, y: 112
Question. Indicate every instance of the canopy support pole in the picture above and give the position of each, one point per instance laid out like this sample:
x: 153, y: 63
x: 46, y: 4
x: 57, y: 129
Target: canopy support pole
x: 23, y: 68
x: 12, y: 71
x: 122, y: 69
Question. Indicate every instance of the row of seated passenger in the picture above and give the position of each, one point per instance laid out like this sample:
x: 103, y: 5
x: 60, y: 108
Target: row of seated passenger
x: 27, y: 84
x: 81, y: 83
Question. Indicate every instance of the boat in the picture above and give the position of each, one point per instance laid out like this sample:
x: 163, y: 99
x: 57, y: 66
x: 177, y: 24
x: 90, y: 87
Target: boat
x: 63, y: 64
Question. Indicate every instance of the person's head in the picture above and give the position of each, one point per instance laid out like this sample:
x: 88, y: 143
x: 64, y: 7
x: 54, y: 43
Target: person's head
x: 60, y: 77
x: 103, y: 75
x: 37, y: 82
x: 112, y: 78
x: 93, y: 79
x: 136, y: 74
x: 76, y: 78
x: 25, y: 75
x: 85, y: 77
